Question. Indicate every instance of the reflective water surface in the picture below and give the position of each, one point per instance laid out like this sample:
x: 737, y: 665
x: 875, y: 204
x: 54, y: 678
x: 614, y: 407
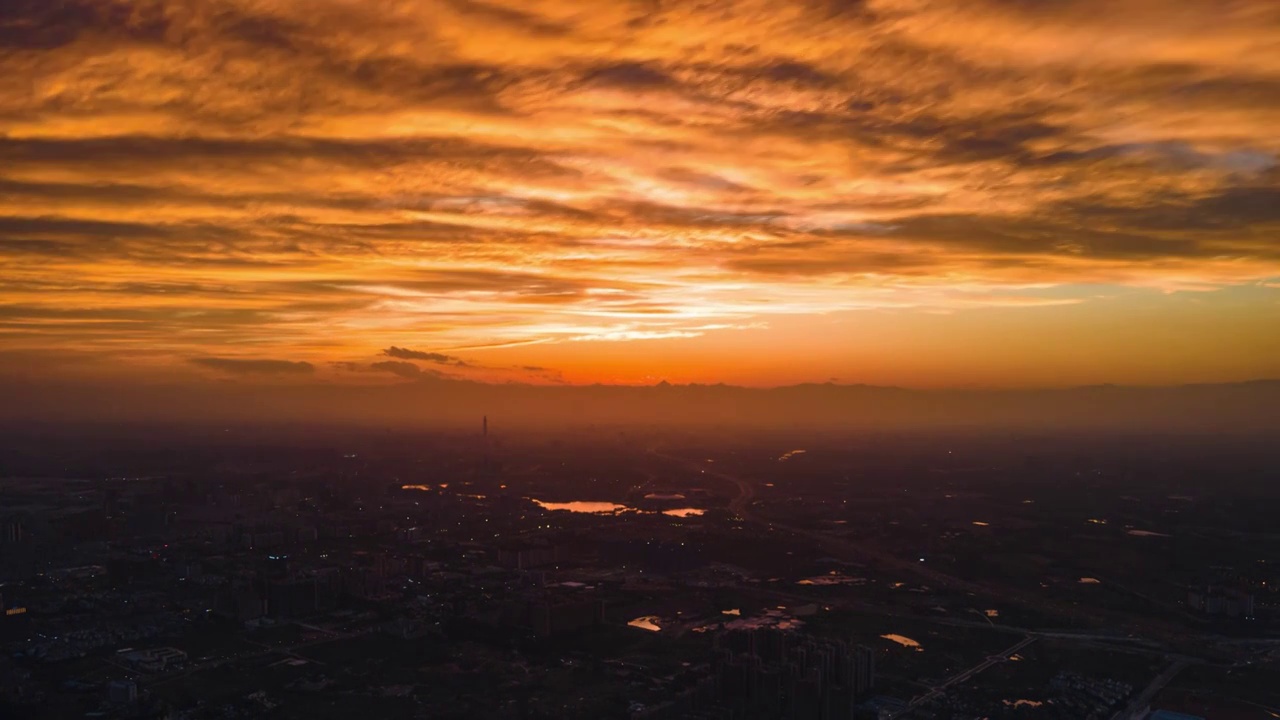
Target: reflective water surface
x: 904, y: 641
x: 646, y: 622
x: 583, y: 506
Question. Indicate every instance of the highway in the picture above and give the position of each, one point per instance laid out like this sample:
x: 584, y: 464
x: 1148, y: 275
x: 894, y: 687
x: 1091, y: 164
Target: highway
x: 1140, y: 701
x: 964, y: 676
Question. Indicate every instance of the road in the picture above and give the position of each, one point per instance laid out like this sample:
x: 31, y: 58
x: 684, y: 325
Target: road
x: 964, y: 676
x: 1144, y: 698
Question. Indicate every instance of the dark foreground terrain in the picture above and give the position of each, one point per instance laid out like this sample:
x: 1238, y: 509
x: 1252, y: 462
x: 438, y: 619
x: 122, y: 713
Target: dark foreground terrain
x: 288, y: 572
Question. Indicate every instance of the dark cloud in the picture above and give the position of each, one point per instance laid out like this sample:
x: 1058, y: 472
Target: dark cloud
x: 800, y: 264
x: 840, y: 9
x: 355, y: 152
x: 1232, y: 209
x: 407, y: 354
x: 75, y: 237
x: 792, y: 71
x: 399, y: 368
x: 1034, y: 236
x: 55, y: 226
x: 473, y: 86
x: 629, y: 75
x: 644, y: 211
x: 10, y: 246
x: 239, y: 366
x: 524, y: 21
x: 1007, y: 142
x: 116, y: 192
x: 513, y: 282
x: 50, y: 24
x: 188, y: 243
x: 1240, y: 206
x: 1164, y: 155
x: 935, y: 138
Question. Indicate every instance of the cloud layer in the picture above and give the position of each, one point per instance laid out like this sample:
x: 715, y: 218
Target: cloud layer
x: 234, y: 180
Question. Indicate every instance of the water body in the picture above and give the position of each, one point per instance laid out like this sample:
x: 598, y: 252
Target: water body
x: 584, y: 506
x: 608, y: 508
x: 904, y: 641
x: 647, y: 622
x: 832, y: 578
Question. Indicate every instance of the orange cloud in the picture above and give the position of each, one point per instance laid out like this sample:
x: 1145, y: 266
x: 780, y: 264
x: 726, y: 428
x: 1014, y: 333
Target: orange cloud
x: 316, y: 181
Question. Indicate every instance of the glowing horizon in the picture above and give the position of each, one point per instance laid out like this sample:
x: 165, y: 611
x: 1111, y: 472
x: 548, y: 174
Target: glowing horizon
x: 923, y: 193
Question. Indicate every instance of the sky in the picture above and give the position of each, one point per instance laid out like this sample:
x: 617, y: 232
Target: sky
x: 920, y: 193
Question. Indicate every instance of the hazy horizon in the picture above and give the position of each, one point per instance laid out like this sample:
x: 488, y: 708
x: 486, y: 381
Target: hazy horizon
x: 1211, y: 408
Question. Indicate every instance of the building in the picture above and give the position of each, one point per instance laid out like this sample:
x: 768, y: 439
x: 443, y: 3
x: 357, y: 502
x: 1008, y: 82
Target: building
x: 527, y: 556
x: 155, y: 660
x: 556, y: 616
x: 769, y: 673
x: 303, y: 595
x: 1230, y: 603
x: 122, y: 692
x: 12, y: 531
x: 1170, y: 715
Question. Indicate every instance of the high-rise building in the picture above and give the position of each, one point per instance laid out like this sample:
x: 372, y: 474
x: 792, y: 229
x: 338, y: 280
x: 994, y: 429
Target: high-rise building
x: 122, y: 692
x: 12, y: 531
x: 769, y: 673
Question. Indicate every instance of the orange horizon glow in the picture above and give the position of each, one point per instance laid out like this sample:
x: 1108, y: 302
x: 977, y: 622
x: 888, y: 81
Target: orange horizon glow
x: 921, y: 193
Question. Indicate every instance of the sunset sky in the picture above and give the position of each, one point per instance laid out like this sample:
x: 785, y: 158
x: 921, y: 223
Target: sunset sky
x: 924, y: 193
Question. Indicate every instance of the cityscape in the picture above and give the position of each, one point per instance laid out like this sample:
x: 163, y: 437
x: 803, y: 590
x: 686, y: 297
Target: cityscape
x: 639, y: 360
x: 636, y: 573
